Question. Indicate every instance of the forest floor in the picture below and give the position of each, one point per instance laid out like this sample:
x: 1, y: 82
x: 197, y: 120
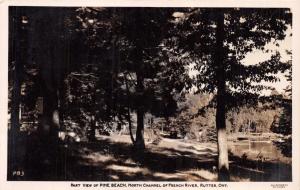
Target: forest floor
x: 113, y: 158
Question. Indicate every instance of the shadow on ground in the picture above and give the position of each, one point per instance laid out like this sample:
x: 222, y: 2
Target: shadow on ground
x: 106, y: 160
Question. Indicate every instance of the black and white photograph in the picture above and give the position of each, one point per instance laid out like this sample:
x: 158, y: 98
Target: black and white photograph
x: 165, y: 94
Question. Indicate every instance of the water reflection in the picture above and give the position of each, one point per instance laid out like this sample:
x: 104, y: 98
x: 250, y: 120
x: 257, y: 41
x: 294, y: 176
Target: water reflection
x: 257, y: 150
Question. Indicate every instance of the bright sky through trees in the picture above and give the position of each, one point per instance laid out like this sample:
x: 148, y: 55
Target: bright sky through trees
x: 259, y: 56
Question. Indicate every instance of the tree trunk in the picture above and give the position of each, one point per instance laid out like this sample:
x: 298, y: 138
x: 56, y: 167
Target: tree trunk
x: 92, y: 132
x: 49, y: 153
x: 139, y: 142
x: 15, y: 159
x: 223, y: 165
x: 51, y: 121
x: 16, y: 100
x: 130, y: 126
x: 62, y: 105
x: 18, y: 54
x: 128, y: 111
x: 51, y: 73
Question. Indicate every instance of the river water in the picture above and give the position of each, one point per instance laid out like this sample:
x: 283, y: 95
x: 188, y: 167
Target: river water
x: 257, y: 150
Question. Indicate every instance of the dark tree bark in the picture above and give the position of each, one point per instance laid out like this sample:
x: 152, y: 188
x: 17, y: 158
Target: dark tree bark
x: 223, y: 165
x: 139, y: 142
x: 130, y: 126
x: 128, y: 111
x: 18, y: 71
x: 92, y: 133
x: 18, y: 56
x: 62, y: 91
x: 51, y: 72
x: 51, y: 121
x: 15, y: 102
x: 15, y: 115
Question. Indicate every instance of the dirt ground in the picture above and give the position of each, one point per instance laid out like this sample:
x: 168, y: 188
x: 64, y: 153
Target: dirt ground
x: 113, y: 158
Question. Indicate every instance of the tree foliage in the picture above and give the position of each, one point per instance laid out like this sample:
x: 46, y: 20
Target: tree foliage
x: 96, y: 68
x: 217, y: 41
